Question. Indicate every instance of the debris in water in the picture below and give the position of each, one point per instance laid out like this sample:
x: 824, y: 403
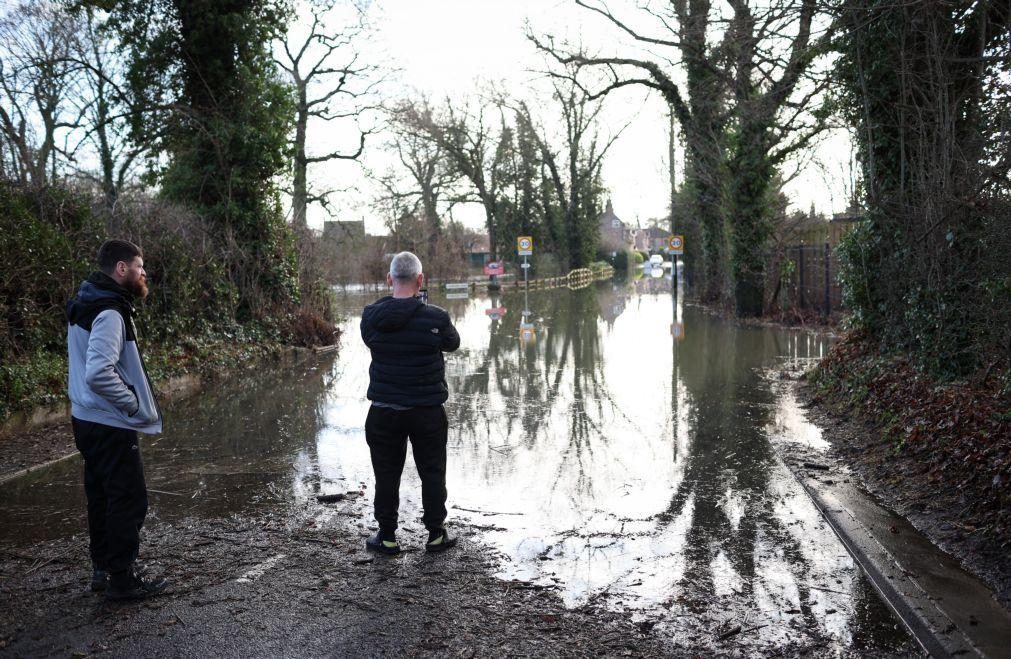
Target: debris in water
x: 727, y: 634
x: 330, y: 498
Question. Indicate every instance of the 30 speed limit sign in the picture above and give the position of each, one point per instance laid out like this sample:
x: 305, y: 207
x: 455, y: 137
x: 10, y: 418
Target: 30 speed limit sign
x: 525, y: 245
x: 676, y: 245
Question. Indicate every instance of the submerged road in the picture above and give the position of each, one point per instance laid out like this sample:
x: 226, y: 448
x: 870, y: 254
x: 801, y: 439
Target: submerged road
x: 613, y: 450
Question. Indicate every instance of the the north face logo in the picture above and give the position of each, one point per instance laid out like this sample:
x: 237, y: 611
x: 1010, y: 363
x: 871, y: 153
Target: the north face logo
x: 435, y: 330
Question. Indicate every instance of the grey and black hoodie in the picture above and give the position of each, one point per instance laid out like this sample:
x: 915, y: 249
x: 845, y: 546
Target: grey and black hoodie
x: 107, y: 382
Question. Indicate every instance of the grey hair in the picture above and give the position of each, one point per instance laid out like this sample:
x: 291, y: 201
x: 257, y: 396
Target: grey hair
x: 405, y: 266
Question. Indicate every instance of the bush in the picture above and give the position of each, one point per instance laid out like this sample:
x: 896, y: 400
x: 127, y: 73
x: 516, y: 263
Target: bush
x: 49, y: 240
x: 621, y: 259
x: 42, y: 237
x: 39, y: 379
x: 308, y: 329
x: 858, y: 263
x: 191, y: 291
x: 545, y: 264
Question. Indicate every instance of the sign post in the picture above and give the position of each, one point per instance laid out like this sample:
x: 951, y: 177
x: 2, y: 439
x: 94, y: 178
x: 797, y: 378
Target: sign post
x: 675, y: 247
x: 525, y: 248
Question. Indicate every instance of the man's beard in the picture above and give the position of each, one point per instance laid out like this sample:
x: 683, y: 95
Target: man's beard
x: 138, y: 287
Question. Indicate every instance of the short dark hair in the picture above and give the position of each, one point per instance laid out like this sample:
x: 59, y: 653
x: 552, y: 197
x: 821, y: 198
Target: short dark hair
x: 113, y: 251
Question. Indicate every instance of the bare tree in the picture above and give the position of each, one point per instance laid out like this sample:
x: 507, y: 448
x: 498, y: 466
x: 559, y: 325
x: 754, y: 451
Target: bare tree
x: 430, y: 188
x: 331, y: 83
x: 466, y: 136
x: 106, y: 111
x: 38, y: 73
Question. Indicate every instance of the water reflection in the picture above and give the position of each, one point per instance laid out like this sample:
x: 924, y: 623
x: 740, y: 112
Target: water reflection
x: 609, y: 441
x: 225, y: 450
x: 620, y: 450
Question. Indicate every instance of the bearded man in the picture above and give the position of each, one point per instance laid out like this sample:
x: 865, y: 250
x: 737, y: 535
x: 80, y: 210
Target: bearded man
x: 111, y: 401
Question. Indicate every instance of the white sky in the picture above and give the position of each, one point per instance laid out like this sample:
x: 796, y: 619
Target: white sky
x: 448, y: 48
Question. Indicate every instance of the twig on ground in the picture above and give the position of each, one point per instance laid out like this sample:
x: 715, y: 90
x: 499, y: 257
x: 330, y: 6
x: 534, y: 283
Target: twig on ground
x: 484, y: 512
x: 172, y: 494
x: 47, y: 562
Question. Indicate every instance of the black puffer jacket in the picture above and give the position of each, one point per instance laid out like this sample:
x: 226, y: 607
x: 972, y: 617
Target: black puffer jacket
x: 407, y: 338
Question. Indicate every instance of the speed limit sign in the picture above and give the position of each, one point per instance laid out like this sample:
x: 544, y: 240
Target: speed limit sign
x: 676, y: 245
x: 525, y: 245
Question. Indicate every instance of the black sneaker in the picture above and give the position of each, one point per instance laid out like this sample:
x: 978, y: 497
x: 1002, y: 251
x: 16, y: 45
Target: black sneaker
x: 99, y: 580
x: 383, y: 546
x: 439, y: 540
x: 131, y: 586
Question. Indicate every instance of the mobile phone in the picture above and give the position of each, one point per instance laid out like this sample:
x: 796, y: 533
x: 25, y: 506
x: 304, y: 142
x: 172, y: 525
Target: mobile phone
x: 423, y: 295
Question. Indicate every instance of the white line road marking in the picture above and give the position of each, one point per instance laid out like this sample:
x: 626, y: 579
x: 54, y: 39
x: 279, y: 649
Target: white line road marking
x: 258, y: 571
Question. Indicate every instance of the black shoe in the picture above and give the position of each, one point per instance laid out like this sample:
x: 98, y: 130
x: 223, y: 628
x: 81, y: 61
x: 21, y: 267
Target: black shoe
x: 439, y: 540
x: 99, y: 580
x: 130, y: 586
x: 381, y: 545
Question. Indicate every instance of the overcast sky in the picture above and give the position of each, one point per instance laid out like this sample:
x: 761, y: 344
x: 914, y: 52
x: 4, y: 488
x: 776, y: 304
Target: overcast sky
x: 448, y: 48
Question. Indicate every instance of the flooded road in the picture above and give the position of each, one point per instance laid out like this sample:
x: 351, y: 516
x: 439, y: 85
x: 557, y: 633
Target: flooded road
x: 607, y: 441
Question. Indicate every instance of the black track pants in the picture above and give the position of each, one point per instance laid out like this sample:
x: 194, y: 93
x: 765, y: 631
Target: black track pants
x: 387, y: 431
x: 117, y: 494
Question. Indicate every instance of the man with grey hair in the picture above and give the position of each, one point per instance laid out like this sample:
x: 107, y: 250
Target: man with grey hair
x: 407, y: 387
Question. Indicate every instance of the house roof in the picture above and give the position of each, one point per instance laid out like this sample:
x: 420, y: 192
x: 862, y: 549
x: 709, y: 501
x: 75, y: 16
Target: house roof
x: 608, y: 215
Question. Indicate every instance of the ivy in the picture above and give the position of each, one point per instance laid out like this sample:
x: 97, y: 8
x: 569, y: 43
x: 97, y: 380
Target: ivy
x: 920, y: 272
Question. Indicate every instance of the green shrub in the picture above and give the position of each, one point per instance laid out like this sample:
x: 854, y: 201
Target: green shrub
x: 620, y: 260
x: 189, y: 321
x: 41, y: 238
x: 39, y: 379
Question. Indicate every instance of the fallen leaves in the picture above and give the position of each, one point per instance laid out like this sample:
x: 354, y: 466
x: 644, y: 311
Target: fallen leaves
x: 950, y: 441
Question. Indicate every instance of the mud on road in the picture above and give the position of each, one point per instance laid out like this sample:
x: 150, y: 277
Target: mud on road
x: 28, y: 449
x: 298, y: 582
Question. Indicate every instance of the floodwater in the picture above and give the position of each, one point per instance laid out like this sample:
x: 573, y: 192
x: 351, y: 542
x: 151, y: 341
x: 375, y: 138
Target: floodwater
x: 609, y: 442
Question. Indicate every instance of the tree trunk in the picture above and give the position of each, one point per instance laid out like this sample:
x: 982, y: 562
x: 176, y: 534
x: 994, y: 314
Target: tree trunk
x: 704, y: 135
x: 750, y: 177
x: 299, y: 186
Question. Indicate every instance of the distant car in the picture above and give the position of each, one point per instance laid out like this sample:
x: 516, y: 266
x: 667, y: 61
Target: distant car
x: 656, y: 259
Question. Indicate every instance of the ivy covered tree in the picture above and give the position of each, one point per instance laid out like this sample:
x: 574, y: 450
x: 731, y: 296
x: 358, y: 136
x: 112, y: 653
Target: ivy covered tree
x: 744, y: 106
x: 926, y: 272
x: 203, y: 72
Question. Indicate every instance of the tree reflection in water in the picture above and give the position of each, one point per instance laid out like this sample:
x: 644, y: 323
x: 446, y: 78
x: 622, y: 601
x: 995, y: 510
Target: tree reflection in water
x: 641, y: 466
x: 599, y: 454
